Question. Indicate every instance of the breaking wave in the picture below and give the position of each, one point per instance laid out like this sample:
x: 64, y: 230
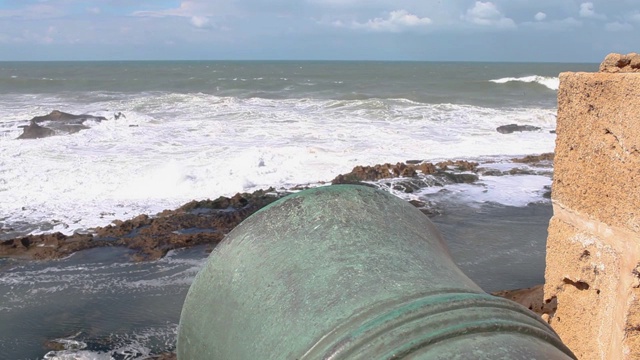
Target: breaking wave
x: 548, y: 81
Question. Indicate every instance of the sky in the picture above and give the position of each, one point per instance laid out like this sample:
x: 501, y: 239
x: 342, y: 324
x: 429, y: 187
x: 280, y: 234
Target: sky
x: 430, y: 30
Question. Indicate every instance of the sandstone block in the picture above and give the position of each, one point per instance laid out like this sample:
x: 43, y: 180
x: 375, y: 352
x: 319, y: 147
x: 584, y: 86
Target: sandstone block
x: 597, y: 163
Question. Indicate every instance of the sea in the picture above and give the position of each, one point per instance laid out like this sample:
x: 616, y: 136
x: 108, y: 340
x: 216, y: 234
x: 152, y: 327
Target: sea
x: 194, y: 130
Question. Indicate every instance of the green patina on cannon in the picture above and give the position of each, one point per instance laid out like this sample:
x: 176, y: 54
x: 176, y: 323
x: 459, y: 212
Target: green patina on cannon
x: 348, y: 272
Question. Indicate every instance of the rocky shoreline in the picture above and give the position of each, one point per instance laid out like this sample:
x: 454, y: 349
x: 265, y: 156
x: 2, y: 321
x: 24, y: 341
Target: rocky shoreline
x: 207, y: 221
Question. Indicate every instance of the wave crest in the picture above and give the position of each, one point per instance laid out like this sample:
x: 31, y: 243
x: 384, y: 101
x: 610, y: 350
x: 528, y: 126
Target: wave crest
x: 548, y: 81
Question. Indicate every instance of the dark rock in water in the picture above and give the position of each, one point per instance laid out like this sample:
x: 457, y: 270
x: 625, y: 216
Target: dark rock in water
x: 58, y: 121
x: 35, y: 131
x: 387, y: 171
x: 490, y: 172
x: 47, y: 246
x: 532, y: 159
x: 461, y: 178
x: 508, y: 129
x: 460, y: 165
x: 376, y: 172
x: 57, y: 115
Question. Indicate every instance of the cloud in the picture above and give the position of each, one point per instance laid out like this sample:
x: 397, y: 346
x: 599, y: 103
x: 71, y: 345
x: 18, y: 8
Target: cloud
x: 200, y: 21
x: 618, y: 27
x: 587, y: 11
x: 554, y: 25
x: 187, y: 8
x: 397, y: 21
x: 487, y: 14
x: 540, y: 16
x: 94, y: 10
x: 197, y: 12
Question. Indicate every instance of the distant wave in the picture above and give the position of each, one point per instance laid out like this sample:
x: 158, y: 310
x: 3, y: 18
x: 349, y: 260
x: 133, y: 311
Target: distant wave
x: 548, y: 81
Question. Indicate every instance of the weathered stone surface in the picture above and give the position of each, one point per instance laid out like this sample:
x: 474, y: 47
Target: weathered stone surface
x: 593, y: 248
x: 597, y: 163
x: 511, y: 128
x: 531, y: 298
x: 616, y: 63
x: 582, y: 275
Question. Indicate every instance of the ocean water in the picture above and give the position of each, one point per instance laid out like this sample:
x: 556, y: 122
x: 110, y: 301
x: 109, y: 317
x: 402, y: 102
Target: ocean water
x: 196, y: 130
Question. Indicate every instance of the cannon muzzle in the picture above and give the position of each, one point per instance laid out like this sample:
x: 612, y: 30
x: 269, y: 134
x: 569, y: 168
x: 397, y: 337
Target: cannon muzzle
x: 348, y: 272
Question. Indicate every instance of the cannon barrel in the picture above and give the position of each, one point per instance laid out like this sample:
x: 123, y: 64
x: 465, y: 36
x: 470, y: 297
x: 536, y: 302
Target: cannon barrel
x: 348, y: 272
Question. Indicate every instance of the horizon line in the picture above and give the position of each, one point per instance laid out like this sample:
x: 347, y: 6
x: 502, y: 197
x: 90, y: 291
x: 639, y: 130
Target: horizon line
x: 307, y: 60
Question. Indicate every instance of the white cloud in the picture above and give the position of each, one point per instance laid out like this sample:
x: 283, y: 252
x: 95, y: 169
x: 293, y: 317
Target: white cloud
x: 200, y: 21
x: 635, y: 17
x: 487, y: 14
x: 618, y: 26
x: 554, y: 25
x: 188, y: 8
x: 94, y: 10
x: 587, y: 11
x: 397, y: 20
x: 197, y: 12
x: 540, y: 16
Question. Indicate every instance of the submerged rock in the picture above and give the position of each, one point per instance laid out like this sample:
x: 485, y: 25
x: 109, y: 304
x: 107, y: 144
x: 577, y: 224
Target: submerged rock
x: 511, y: 128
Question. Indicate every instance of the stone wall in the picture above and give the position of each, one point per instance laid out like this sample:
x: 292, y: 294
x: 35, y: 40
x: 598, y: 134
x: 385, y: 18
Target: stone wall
x: 593, y: 249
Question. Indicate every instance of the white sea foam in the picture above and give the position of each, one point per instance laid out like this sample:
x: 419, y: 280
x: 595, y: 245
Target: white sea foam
x: 128, y: 347
x: 549, y: 81
x: 173, y: 148
x: 25, y: 286
x: 519, y: 190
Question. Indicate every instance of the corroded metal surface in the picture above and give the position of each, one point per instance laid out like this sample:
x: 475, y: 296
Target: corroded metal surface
x: 348, y: 272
